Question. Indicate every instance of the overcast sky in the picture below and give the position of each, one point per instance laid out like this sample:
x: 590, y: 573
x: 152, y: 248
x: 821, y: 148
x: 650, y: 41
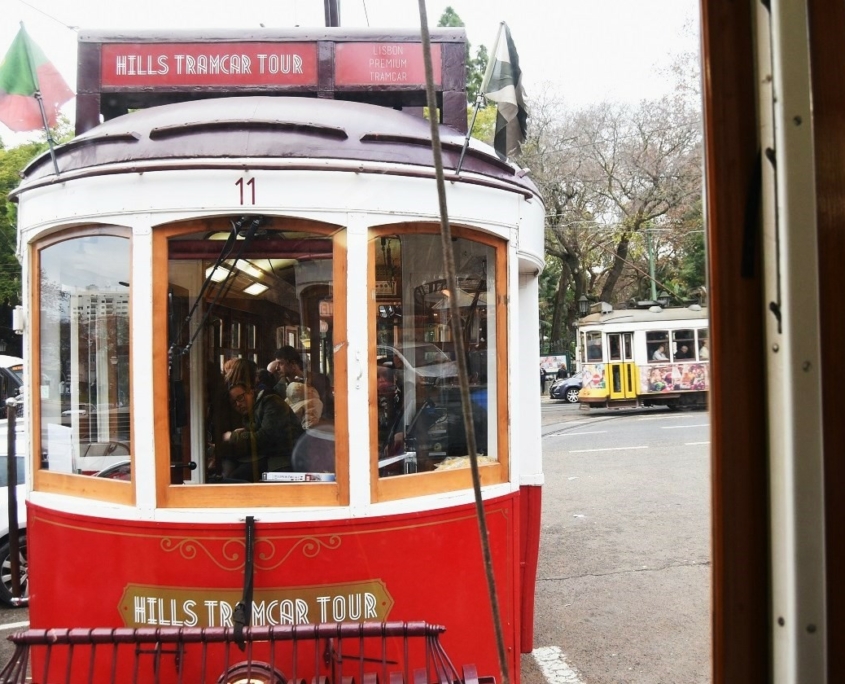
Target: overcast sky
x: 590, y: 50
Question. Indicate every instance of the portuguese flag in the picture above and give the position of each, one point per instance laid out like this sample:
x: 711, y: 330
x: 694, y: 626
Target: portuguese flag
x: 26, y: 76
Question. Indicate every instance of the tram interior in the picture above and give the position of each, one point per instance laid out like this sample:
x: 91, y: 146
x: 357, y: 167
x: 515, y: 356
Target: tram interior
x: 276, y: 289
x: 240, y: 295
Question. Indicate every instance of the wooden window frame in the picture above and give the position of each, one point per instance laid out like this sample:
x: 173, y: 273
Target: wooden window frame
x: 421, y: 484
x: 252, y: 495
x: 72, y: 484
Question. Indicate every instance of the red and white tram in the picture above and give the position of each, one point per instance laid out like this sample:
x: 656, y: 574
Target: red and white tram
x: 179, y: 238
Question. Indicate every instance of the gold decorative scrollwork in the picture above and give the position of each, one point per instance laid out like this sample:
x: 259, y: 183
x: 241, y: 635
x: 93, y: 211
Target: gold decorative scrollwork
x: 231, y: 555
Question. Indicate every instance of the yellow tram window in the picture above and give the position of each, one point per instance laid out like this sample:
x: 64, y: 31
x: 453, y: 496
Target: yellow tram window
x: 83, y: 356
x: 418, y: 422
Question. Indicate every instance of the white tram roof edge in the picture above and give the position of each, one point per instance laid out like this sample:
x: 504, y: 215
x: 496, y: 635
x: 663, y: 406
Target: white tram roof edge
x: 624, y: 317
x: 267, y: 127
x: 297, y: 135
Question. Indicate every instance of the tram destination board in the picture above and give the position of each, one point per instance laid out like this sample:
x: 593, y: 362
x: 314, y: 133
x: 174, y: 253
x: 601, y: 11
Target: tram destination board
x: 119, y: 72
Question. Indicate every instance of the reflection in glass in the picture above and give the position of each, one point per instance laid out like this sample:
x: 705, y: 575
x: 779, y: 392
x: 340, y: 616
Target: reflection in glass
x: 84, y: 355
x: 419, y: 415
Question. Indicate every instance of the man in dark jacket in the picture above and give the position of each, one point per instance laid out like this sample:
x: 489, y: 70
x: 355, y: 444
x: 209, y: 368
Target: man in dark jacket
x: 266, y: 440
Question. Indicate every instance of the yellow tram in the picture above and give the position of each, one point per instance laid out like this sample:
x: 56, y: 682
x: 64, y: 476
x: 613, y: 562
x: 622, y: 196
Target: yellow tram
x: 644, y: 357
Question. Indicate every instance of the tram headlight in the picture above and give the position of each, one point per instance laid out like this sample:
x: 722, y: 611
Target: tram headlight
x: 251, y: 672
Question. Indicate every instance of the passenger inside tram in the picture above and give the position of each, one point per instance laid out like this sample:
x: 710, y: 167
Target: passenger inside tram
x: 683, y: 352
x: 292, y: 368
x: 305, y: 402
x: 265, y: 441
x: 240, y: 296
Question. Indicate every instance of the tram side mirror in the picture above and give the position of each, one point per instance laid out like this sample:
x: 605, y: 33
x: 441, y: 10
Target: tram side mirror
x: 17, y: 319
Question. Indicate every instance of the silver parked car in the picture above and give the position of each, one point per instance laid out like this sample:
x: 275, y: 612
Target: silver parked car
x: 566, y: 389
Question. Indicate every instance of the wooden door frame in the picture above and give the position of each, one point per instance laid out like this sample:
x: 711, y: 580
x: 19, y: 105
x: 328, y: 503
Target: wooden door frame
x: 742, y: 623
x: 740, y: 549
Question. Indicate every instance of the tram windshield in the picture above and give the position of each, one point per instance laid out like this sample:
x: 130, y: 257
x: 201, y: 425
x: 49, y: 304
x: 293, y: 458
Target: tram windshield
x: 250, y: 325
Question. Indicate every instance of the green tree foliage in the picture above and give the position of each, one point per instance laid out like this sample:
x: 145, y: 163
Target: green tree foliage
x: 12, y: 162
x: 475, y: 66
x: 475, y: 72
x: 485, y: 123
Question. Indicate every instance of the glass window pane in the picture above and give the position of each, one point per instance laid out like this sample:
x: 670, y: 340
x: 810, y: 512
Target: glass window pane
x: 683, y: 345
x: 703, y: 345
x: 657, y: 345
x: 629, y: 346
x: 419, y: 414
x: 263, y: 408
x: 614, y: 346
x: 594, y: 346
x: 84, y: 389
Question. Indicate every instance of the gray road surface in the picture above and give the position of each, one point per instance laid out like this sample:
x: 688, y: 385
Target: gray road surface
x: 623, y: 590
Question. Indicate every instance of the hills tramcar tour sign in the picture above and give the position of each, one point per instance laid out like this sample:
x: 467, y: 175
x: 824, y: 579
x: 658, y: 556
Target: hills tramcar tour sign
x: 257, y: 64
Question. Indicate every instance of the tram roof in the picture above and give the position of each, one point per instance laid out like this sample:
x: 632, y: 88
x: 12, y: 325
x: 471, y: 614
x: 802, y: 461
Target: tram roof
x: 187, y: 134
x: 628, y: 316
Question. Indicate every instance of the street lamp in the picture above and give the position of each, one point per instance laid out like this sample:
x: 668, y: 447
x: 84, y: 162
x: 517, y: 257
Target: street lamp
x: 583, y: 305
x: 663, y: 299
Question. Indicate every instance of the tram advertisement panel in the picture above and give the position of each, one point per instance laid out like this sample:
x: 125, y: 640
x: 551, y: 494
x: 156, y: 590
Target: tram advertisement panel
x: 674, y: 377
x: 194, y: 64
x: 247, y: 64
x: 593, y: 382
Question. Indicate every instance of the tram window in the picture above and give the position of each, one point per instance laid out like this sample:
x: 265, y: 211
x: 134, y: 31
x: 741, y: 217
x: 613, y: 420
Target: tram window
x: 419, y: 422
x: 614, y: 347
x: 683, y: 344
x: 594, y: 346
x: 84, y: 354
x: 260, y: 409
x: 657, y: 345
x: 703, y: 346
x: 628, y: 346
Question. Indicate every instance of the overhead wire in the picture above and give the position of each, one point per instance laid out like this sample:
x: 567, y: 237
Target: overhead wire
x: 460, y: 351
x: 49, y: 16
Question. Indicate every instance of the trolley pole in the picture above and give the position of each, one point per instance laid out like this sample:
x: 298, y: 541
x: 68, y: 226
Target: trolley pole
x: 650, y: 249
x: 12, y: 479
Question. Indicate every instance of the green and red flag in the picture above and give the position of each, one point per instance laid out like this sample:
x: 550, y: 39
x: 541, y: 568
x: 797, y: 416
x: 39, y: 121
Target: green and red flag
x: 24, y: 73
